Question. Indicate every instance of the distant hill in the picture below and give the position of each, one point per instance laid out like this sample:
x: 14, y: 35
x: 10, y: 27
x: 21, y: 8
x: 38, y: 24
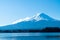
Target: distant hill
x: 50, y: 29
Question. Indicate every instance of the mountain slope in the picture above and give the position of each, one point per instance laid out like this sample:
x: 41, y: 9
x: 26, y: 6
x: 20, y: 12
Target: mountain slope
x: 39, y: 21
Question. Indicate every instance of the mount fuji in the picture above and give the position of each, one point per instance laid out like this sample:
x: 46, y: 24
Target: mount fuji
x: 38, y: 21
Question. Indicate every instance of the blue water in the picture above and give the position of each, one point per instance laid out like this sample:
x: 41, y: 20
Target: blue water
x: 29, y: 36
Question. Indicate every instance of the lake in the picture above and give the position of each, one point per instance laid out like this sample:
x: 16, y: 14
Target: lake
x: 29, y: 36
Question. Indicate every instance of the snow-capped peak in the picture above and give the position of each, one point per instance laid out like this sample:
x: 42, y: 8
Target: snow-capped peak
x: 42, y: 16
x: 36, y: 17
x: 39, y: 16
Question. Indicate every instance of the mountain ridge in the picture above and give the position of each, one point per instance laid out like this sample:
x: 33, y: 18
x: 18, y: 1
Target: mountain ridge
x: 37, y: 17
x: 42, y: 22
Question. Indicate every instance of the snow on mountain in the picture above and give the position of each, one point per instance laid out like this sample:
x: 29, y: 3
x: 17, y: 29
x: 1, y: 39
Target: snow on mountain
x: 36, y: 17
x: 43, y: 16
x: 38, y: 21
x: 20, y: 20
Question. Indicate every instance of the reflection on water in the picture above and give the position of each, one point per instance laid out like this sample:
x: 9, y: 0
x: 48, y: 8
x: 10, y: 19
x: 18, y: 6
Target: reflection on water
x: 29, y: 38
x: 48, y: 36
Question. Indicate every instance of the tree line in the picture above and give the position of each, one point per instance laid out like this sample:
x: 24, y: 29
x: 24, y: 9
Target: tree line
x: 47, y: 29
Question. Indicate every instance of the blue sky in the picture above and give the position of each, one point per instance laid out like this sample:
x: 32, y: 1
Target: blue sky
x: 11, y: 10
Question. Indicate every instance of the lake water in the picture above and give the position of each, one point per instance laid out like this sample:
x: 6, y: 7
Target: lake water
x: 29, y: 36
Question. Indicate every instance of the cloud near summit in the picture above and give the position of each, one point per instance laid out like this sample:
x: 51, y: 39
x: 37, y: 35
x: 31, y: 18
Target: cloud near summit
x: 20, y: 20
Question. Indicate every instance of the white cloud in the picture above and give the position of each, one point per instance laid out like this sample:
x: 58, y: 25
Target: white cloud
x: 20, y: 20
